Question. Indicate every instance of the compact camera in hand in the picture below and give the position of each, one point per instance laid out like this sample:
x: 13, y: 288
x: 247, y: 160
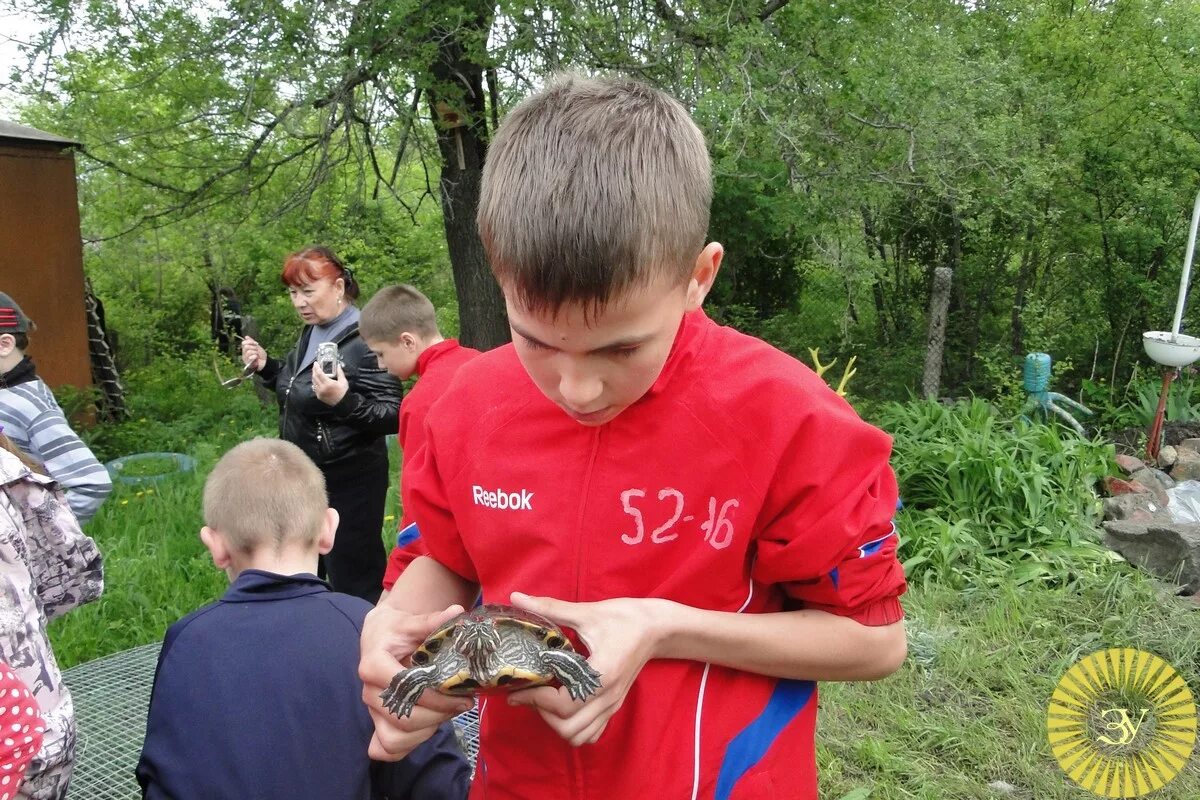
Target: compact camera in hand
x: 327, y: 358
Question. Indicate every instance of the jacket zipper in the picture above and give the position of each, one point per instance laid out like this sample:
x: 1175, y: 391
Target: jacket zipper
x: 576, y: 764
x: 323, y: 439
x: 286, y: 394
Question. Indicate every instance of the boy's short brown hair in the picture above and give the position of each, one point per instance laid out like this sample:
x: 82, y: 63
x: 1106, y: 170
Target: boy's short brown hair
x: 395, y: 310
x: 265, y: 493
x: 593, y: 186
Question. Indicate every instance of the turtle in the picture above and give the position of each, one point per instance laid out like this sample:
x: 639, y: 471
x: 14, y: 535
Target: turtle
x: 491, y: 648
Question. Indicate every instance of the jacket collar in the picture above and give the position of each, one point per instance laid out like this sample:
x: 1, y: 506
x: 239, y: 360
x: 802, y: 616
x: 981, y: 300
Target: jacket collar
x: 23, y: 372
x: 434, y: 352
x: 688, y: 341
x: 256, y: 585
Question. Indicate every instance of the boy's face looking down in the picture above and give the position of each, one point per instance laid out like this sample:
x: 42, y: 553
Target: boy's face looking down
x: 398, y: 357
x: 595, y: 363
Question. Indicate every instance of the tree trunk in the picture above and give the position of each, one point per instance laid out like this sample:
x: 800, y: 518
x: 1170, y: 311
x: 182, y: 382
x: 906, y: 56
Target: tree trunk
x: 462, y: 141
x: 939, y: 304
x: 875, y: 246
x: 1024, y: 275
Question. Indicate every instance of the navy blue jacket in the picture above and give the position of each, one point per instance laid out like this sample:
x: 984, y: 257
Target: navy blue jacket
x: 257, y: 696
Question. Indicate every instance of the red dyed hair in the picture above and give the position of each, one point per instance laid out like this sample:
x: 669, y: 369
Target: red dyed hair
x: 317, y: 263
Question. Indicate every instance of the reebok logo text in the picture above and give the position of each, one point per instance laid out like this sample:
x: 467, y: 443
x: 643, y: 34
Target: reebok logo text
x: 518, y: 501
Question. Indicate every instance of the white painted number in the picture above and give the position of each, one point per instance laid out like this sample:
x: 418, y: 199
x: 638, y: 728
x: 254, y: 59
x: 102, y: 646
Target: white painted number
x: 658, y: 535
x: 635, y: 513
x: 718, y: 531
x: 718, y: 528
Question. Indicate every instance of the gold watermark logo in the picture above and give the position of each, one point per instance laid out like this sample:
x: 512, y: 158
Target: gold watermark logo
x: 1121, y: 723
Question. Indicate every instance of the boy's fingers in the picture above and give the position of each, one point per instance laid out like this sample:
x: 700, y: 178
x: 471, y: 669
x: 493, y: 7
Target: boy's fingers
x: 377, y: 752
x: 390, y: 635
x: 558, y: 611
x: 391, y: 744
x: 592, y: 734
x: 376, y: 668
x: 434, y: 620
x: 546, y: 699
x: 421, y: 719
x: 443, y: 704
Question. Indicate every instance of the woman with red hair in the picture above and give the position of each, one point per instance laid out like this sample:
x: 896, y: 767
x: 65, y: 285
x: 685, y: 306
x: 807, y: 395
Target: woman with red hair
x: 341, y: 422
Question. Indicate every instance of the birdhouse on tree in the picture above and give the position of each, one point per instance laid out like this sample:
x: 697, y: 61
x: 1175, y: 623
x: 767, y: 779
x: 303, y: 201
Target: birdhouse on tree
x: 451, y: 119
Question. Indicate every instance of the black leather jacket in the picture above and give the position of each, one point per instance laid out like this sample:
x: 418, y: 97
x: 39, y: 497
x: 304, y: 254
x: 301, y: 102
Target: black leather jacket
x: 354, y: 429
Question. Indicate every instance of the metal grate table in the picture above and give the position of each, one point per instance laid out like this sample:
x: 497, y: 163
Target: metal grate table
x: 111, y: 695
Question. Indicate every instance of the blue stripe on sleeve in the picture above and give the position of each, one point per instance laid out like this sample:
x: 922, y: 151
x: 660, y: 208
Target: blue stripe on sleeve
x: 408, y: 534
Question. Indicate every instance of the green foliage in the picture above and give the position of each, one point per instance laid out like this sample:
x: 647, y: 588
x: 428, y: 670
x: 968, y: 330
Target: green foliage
x: 1005, y: 381
x: 988, y: 501
x: 1134, y: 404
x: 1044, y: 152
x: 753, y: 216
x: 178, y: 405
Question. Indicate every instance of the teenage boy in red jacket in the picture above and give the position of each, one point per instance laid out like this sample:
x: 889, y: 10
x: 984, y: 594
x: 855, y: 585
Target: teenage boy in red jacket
x: 710, y: 518
x: 399, y: 324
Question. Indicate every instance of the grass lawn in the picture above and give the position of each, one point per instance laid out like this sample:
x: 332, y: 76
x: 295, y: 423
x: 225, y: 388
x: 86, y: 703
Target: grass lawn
x: 967, y: 709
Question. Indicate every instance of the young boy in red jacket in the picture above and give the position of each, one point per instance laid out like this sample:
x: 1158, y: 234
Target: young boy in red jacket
x: 399, y: 324
x: 708, y: 516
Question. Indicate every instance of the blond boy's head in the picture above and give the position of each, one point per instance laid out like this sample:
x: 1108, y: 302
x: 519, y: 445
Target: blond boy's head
x: 398, y: 324
x: 593, y: 187
x: 263, y: 501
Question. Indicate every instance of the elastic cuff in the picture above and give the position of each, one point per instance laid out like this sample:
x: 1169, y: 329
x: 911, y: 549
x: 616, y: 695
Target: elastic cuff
x: 874, y: 615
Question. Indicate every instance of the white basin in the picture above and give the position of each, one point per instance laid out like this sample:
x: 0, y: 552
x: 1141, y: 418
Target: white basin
x: 1171, y: 350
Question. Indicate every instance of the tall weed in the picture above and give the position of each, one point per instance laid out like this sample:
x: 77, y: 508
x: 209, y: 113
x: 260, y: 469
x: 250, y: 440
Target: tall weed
x: 993, y: 501
x: 178, y: 404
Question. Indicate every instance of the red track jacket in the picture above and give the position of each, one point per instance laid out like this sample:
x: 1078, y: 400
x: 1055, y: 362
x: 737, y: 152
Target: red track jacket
x: 740, y: 482
x: 435, y: 369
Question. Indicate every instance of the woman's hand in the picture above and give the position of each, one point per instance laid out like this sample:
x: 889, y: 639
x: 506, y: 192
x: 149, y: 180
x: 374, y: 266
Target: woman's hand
x: 253, y: 354
x: 389, y: 635
x: 329, y: 391
x: 622, y: 635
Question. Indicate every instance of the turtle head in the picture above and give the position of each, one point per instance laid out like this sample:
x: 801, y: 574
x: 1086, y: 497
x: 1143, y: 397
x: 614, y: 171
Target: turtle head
x: 477, y: 639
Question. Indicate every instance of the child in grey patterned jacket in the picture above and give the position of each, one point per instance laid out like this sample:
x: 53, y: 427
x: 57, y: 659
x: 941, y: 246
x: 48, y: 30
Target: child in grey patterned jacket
x: 47, y: 567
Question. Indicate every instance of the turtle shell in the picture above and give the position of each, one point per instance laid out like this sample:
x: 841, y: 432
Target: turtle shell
x: 491, y: 648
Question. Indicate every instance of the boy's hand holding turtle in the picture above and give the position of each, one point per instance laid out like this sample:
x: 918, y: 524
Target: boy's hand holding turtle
x: 400, y: 634
x: 622, y: 634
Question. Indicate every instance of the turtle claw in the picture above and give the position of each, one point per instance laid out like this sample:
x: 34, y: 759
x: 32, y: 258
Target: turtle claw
x: 577, y: 676
x: 401, y: 695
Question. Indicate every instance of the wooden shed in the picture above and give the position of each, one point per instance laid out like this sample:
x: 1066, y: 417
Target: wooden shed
x: 41, y: 252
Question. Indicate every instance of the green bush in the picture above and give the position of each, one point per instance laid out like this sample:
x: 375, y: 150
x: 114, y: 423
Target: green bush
x: 1134, y: 404
x: 178, y: 405
x: 988, y: 500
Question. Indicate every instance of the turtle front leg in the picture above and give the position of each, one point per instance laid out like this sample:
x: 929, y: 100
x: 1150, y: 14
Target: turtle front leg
x: 401, y: 695
x: 573, y: 671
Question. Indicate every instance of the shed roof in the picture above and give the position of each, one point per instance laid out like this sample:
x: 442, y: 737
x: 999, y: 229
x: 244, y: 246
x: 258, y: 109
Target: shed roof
x: 10, y: 131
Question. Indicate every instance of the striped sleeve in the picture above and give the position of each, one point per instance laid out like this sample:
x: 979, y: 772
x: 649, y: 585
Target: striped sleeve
x: 37, y: 425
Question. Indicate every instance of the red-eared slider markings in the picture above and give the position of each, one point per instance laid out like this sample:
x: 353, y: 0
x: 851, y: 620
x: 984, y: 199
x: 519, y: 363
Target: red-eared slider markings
x: 491, y: 647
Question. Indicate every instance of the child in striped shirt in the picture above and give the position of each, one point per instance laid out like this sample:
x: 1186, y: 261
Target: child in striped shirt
x: 32, y: 418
